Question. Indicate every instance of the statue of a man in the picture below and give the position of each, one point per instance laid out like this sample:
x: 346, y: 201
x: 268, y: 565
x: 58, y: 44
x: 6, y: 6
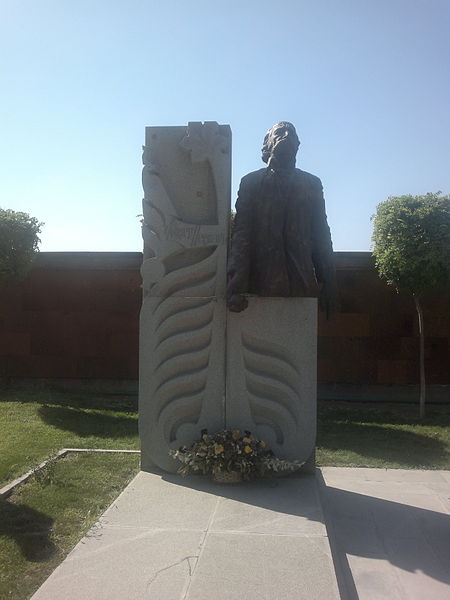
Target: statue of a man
x: 281, y: 244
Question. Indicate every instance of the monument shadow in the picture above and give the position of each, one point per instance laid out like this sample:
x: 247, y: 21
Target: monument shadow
x: 407, y: 537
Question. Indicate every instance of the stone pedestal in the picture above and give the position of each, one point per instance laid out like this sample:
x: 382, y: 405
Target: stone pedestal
x: 271, y: 373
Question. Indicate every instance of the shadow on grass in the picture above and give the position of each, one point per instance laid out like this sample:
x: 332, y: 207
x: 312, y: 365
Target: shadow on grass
x: 86, y: 424
x: 113, y: 402
x: 29, y: 528
x: 395, y: 414
x: 382, y: 443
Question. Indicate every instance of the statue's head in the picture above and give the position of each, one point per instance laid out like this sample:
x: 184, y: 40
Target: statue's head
x: 281, y: 143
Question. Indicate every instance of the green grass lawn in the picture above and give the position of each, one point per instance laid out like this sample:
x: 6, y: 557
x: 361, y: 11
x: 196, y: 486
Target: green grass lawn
x: 36, y: 424
x: 42, y: 521
x: 383, y: 435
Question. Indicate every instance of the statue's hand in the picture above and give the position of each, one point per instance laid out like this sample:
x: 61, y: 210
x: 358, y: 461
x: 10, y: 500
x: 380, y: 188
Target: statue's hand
x: 328, y: 300
x: 237, y: 303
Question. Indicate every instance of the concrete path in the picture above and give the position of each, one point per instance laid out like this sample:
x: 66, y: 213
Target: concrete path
x: 166, y: 538
x: 389, y: 532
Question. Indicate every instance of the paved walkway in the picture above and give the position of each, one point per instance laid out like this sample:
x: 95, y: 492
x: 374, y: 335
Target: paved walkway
x: 166, y: 538
x: 389, y: 532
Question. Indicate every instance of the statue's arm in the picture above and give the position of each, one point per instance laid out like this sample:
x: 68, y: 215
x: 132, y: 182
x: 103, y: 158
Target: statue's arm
x: 322, y: 252
x: 239, y: 262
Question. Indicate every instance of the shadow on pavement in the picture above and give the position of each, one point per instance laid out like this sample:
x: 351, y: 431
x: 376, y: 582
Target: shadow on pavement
x: 409, y: 538
x: 295, y: 495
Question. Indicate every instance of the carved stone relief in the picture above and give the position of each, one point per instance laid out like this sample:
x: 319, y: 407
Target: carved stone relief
x: 186, y: 178
x: 271, y: 373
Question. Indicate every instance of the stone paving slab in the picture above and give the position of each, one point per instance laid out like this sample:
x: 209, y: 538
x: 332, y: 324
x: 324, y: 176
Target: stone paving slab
x: 166, y: 538
x: 390, y: 532
x: 127, y: 563
x: 264, y: 567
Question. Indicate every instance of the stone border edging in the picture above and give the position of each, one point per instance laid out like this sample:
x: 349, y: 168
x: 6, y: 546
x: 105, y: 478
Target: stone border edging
x: 9, y: 488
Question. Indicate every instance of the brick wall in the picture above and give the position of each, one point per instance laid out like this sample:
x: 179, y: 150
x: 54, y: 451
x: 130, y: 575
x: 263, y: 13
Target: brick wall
x: 76, y: 317
x: 374, y: 339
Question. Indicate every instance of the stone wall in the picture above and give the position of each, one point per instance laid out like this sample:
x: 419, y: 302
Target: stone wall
x: 76, y: 316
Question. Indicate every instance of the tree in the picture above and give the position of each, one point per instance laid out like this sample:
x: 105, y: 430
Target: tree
x: 18, y: 243
x: 411, y: 240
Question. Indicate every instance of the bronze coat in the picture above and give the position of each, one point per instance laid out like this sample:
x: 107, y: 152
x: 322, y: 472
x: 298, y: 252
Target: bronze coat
x: 281, y: 244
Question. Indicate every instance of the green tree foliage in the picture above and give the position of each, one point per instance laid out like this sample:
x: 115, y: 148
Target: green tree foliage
x: 411, y: 240
x: 19, y: 240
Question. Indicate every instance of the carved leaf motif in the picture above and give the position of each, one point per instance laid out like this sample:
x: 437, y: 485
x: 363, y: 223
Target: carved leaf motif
x: 182, y: 322
x: 272, y: 383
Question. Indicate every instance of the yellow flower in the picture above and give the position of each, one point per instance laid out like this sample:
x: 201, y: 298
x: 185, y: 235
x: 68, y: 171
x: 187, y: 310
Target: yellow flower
x: 235, y: 435
x: 262, y: 444
x: 218, y: 448
x: 246, y: 440
x: 205, y: 437
x: 247, y: 449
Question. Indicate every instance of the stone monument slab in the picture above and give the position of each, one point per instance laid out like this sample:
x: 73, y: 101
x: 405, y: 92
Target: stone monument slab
x: 186, y: 179
x: 252, y: 367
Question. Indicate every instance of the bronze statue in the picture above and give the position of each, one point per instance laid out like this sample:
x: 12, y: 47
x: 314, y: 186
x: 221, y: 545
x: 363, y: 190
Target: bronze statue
x: 281, y: 243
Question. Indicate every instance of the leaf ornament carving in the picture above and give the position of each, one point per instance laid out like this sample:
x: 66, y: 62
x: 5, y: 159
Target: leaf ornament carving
x: 180, y: 287
x: 182, y: 331
x: 273, y: 383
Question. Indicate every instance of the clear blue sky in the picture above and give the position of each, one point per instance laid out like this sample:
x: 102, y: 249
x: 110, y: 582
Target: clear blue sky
x: 365, y: 82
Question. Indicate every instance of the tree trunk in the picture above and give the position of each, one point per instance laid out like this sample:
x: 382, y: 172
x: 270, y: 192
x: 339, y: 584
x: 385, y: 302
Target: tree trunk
x: 421, y: 357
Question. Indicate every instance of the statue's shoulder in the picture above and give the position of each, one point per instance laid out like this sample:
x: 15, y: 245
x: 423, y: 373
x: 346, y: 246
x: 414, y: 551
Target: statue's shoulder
x: 309, y: 178
x: 253, y: 178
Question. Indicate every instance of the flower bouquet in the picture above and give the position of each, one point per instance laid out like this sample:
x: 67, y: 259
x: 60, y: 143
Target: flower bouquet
x: 230, y: 456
